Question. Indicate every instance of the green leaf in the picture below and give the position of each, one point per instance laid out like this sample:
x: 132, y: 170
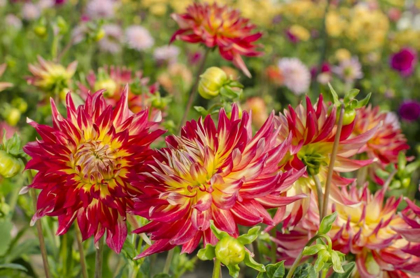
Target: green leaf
x: 305, y: 271
x: 402, y: 161
x: 334, y: 95
x: 5, y: 236
x: 351, y: 95
x: 323, y: 257
x: 233, y: 270
x: 275, y: 270
x: 249, y: 261
x: 410, y: 168
x: 348, y: 271
x: 364, y: 101
x: 312, y: 250
x: 337, y: 263
x: 250, y: 236
x: 203, y: 112
x: 326, y: 223
x: 218, y: 233
x: 207, y: 253
x: 13, y: 266
x: 162, y: 275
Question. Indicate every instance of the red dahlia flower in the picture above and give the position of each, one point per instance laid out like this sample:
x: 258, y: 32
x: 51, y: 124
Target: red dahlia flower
x: 222, y: 173
x: 313, y: 130
x: 221, y: 27
x: 83, y: 163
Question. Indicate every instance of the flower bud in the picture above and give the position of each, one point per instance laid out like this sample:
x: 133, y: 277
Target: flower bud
x: 9, y: 165
x: 40, y: 31
x: 13, y: 116
x: 211, y: 81
x: 230, y: 251
x: 348, y: 117
x: 99, y: 35
x: 108, y: 84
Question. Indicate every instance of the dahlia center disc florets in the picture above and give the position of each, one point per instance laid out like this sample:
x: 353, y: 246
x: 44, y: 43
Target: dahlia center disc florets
x: 95, y: 162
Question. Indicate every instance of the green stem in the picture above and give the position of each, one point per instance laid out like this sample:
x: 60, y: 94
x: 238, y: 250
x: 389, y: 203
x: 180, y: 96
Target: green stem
x: 81, y: 252
x: 99, y: 258
x: 40, y: 234
x: 332, y: 163
x: 256, y: 251
x: 216, y: 269
x: 168, y: 261
x: 194, y: 89
x: 297, y: 261
x: 319, y: 193
x: 273, y: 251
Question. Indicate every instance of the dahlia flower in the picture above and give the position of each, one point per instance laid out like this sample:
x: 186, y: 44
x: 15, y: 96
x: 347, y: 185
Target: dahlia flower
x: 97, y: 9
x: 4, y: 85
x: 296, y: 75
x: 53, y: 79
x: 30, y: 11
x: 313, y: 130
x: 138, y: 38
x: 372, y: 231
x: 83, y: 163
x: 167, y: 53
x: 218, y: 26
x: 388, y: 140
x: 111, y: 41
x: 13, y: 21
x: 113, y: 79
x: 404, y: 61
x: 349, y: 70
x: 222, y: 173
x: 410, y: 110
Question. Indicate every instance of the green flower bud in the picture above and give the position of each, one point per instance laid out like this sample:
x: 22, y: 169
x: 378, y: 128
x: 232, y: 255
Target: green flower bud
x: 108, y: 84
x: 99, y: 35
x: 20, y: 104
x: 348, y: 117
x: 211, y: 81
x: 13, y: 116
x: 40, y: 31
x: 62, y: 25
x: 9, y: 165
x: 230, y: 251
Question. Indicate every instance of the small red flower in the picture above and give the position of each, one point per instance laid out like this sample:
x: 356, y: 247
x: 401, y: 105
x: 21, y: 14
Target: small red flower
x: 83, y: 163
x: 221, y: 173
x: 218, y: 26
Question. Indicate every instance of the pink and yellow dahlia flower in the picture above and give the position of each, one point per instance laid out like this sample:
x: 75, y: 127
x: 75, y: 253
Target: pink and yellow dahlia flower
x: 221, y: 173
x: 313, y: 130
x: 218, y: 26
x: 84, y: 162
x: 113, y: 80
x: 387, y: 142
x: 381, y: 240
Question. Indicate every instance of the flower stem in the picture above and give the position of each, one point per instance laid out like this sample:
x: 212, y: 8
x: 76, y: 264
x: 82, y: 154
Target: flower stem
x: 194, y: 89
x: 216, y: 269
x: 81, y: 252
x: 99, y: 258
x: 168, y: 261
x: 319, y: 193
x: 389, y: 179
x: 332, y: 162
x: 38, y: 225
x: 273, y: 251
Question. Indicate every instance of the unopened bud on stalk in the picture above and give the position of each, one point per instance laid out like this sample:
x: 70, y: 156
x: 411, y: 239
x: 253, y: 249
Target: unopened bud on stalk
x: 211, y: 82
x: 9, y: 165
x: 230, y: 251
x: 108, y: 84
x: 13, y: 116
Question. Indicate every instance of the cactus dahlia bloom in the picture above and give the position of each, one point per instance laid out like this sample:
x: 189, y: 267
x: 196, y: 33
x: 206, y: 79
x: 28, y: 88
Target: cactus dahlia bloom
x: 113, y: 80
x: 214, y: 173
x: 313, y: 130
x: 51, y: 78
x: 83, y: 163
x: 372, y: 231
x: 218, y: 26
x: 388, y: 140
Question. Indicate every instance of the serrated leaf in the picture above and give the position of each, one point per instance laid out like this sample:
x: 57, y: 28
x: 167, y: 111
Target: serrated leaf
x: 275, y: 270
x: 249, y: 261
x: 218, y: 233
x: 326, y: 223
x: 250, y: 236
x: 348, y: 271
x: 207, y: 253
x: 313, y: 249
x: 13, y: 266
x: 233, y: 270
